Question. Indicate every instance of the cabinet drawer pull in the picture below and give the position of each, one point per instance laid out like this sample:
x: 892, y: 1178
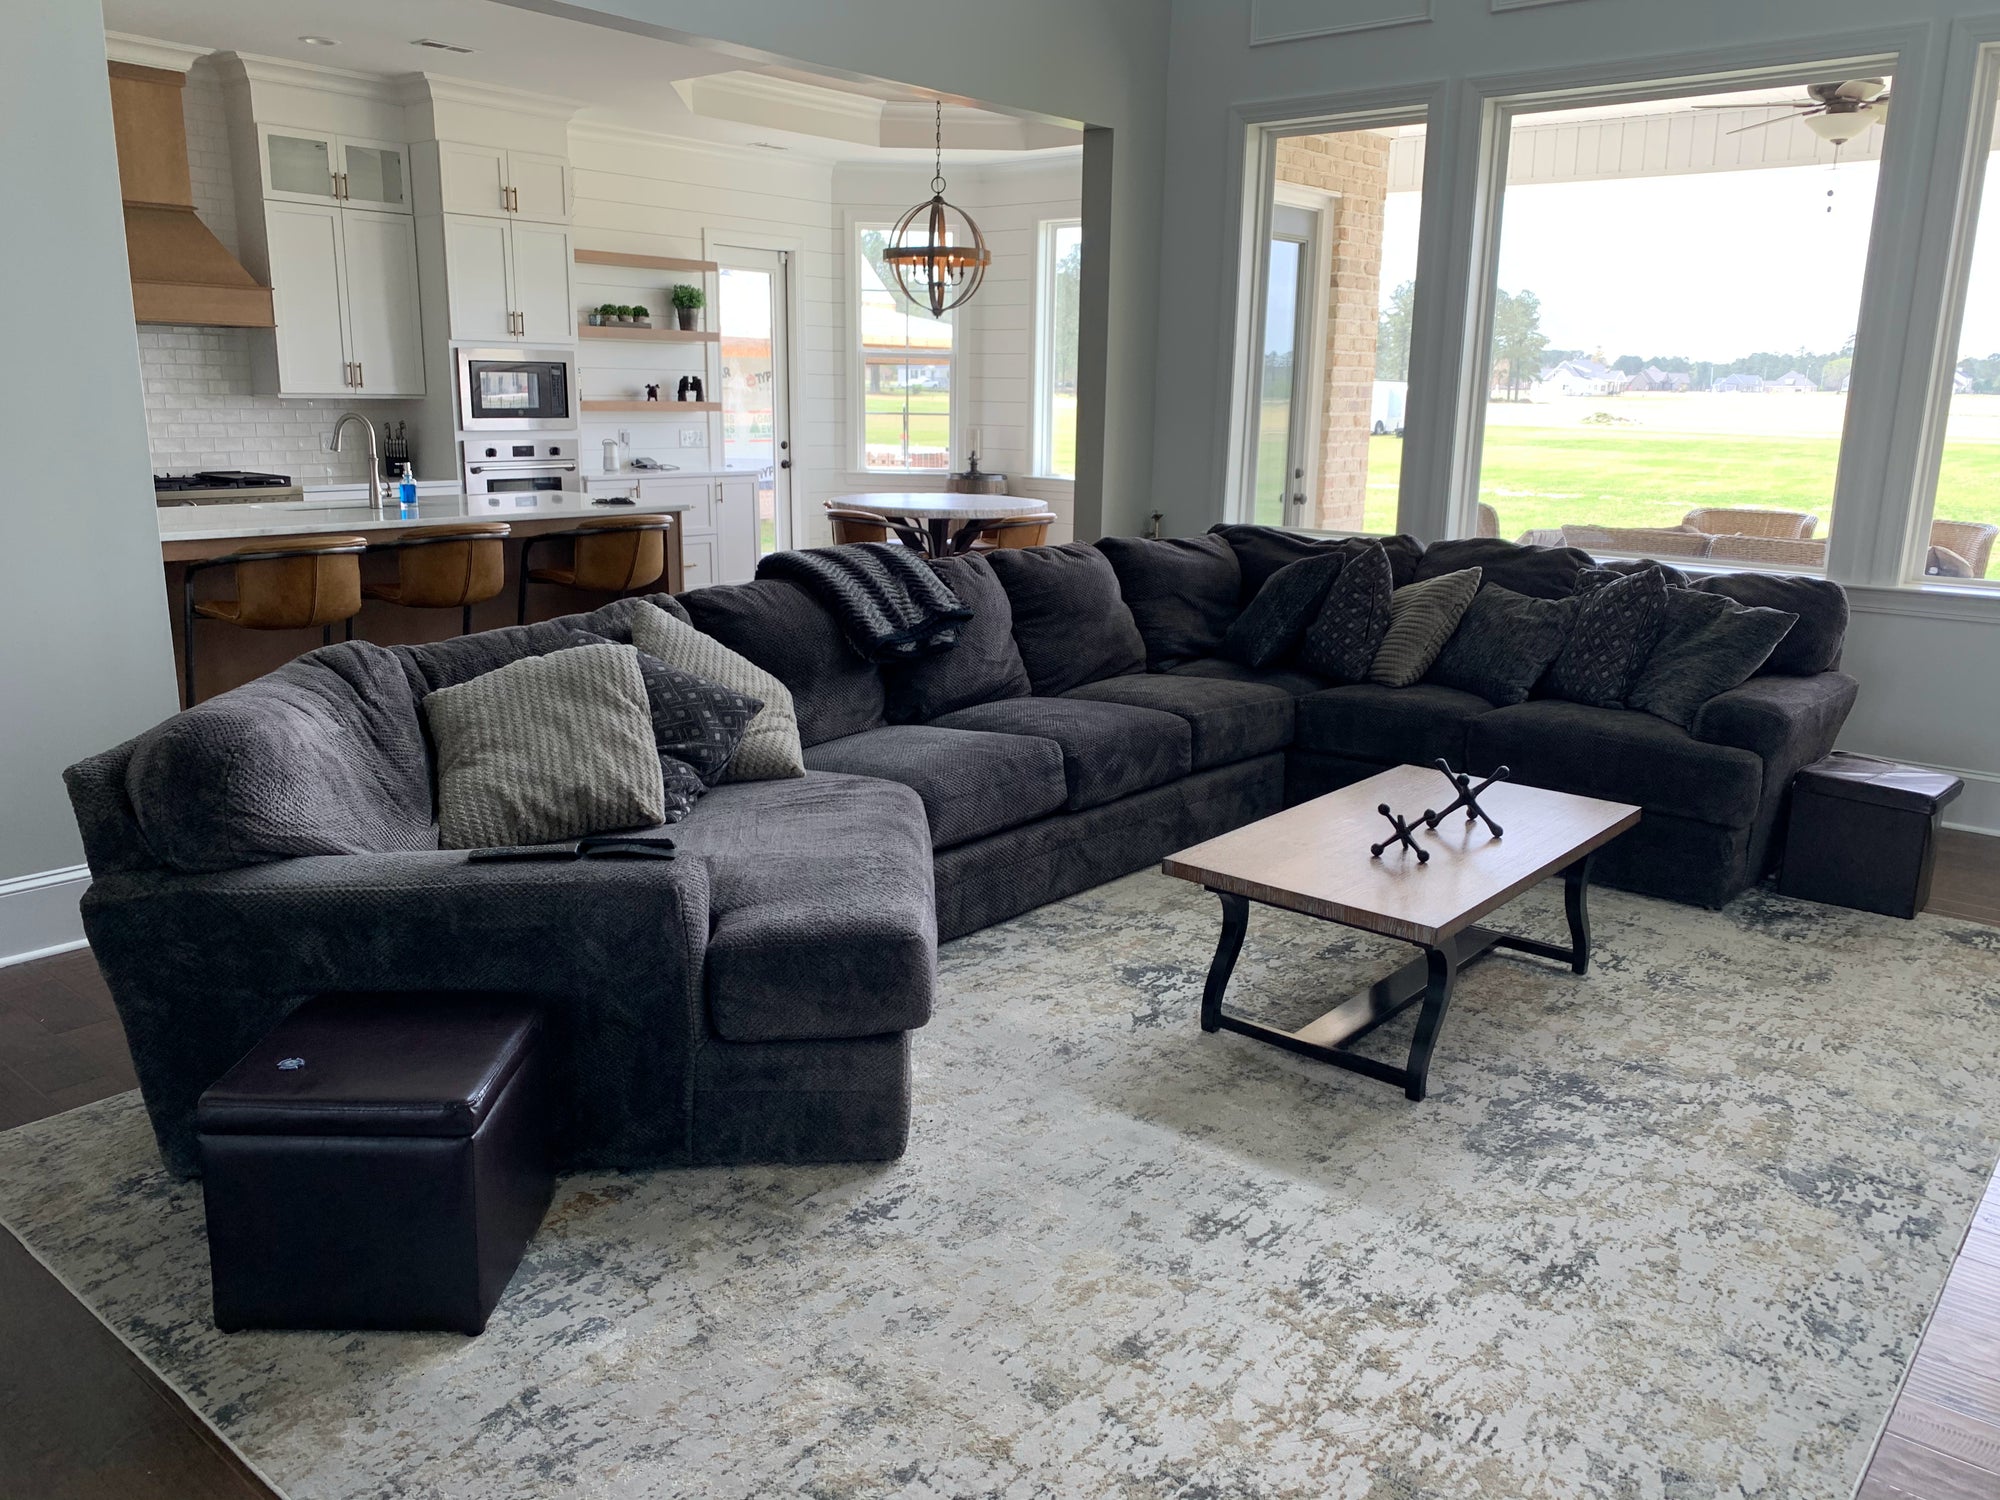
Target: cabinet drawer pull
x: 358, y: 381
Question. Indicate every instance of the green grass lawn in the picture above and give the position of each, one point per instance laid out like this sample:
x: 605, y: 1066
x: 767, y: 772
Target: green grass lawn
x: 930, y: 425
x: 1548, y: 477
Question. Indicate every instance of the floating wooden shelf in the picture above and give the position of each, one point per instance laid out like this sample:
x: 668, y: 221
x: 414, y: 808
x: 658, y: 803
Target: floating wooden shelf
x: 654, y: 335
x: 663, y: 408
x: 642, y: 262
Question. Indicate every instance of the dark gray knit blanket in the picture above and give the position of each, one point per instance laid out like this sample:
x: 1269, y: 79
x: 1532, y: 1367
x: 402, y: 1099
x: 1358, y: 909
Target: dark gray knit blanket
x: 890, y: 604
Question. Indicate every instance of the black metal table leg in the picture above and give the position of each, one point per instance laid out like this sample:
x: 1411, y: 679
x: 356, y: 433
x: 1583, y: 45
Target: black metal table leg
x: 1442, y: 962
x: 1235, y: 922
x: 1576, y: 895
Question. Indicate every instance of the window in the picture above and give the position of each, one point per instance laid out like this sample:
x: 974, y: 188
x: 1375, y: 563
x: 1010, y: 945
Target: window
x: 906, y: 368
x: 1330, y: 346
x: 1678, y: 285
x: 1058, y: 276
x: 1956, y: 537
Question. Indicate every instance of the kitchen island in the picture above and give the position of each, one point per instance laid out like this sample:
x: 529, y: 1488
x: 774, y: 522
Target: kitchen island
x: 230, y: 656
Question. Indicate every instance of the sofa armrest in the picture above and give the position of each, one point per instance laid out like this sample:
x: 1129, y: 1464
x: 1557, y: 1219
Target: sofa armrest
x: 1788, y: 721
x: 203, y: 966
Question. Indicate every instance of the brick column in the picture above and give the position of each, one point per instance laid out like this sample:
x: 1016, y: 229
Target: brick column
x: 1354, y: 164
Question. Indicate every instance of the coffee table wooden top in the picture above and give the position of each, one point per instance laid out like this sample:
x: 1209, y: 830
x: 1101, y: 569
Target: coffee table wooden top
x: 1314, y: 858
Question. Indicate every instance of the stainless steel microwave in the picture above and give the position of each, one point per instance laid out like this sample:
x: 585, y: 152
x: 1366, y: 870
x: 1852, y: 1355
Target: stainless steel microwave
x: 516, y: 390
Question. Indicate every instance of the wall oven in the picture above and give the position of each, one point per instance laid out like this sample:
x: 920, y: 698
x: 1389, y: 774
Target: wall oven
x: 516, y: 390
x: 513, y: 466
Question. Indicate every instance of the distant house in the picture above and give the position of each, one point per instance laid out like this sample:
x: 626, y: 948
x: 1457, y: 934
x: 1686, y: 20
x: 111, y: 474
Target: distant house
x: 1653, y: 378
x: 1581, y: 377
x: 1793, y: 380
x: 1731, y: 384
x: 1961, y: 383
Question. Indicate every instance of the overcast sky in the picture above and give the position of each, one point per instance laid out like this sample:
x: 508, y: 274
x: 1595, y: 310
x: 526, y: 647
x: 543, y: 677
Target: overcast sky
x: 1712, y: 266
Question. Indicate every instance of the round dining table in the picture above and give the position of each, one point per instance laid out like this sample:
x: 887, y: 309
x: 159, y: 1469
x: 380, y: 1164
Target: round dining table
x: 951, y: 520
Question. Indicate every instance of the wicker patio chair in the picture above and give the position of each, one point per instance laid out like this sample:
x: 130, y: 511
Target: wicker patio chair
x: 1489, y: 521
x: 1971, y: 540
x: 1735, y: 520
x: 1791, y: 552
x: 1639, y: 541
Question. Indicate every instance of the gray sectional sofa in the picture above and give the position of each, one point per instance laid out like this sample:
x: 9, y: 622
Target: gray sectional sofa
x: 752, y: 1000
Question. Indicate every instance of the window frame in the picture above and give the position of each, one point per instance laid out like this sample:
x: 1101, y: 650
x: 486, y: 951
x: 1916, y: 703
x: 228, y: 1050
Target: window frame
x: 1042, y: 391
x: 858, y: 362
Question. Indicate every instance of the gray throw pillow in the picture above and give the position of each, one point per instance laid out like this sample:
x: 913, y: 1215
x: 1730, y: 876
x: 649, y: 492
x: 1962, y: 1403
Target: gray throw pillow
x: 983, y: 667
x: 1183, y: 592
x: 1271, y: 624
x: 769, y: 749
x: 1616, y: 624
x: 546, y: 748
x: 1422, y: 617
x: 1503, y: 645
x: 1343, y: 638
x: 1709, y: 644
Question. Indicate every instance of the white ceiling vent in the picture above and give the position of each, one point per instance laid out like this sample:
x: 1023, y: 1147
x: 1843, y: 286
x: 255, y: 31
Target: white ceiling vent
x: 437, y: 46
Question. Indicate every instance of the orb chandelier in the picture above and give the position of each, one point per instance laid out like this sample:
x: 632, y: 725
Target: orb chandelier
x: 936, y: 264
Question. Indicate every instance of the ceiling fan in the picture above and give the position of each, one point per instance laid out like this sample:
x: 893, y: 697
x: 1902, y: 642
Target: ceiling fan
x: 1836, y: 112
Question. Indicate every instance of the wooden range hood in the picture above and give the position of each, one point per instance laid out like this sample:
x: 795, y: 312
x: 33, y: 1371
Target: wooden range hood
x: 180, y: 271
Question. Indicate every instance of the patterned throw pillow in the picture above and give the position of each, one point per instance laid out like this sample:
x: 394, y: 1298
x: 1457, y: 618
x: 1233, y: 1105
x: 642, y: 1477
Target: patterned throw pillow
x: 1503, y: 645
x: 1705, y: 648
x: 1616, y: 624
x: 696, y: 722
x: 1271, y: 624
x: 769, y: 749
x: 546, y: 748
x: 1342, y: 640
x: 1422, y: 617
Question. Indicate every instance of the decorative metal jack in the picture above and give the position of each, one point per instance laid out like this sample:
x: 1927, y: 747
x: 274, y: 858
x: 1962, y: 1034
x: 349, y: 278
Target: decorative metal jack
x: 1405, y: 835
x: 1467, y: 798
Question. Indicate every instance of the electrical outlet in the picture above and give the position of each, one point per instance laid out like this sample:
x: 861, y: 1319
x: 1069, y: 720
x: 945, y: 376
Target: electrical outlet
x: 693, y: 437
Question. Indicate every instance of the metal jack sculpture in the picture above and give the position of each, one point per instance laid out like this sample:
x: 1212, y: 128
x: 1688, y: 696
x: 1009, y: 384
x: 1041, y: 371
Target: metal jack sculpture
x: 1405, y: 835
x: 1467, y: 798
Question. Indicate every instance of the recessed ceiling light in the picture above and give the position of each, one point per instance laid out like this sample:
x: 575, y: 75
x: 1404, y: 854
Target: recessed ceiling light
x: 437, y: 46
x: 319, y: 41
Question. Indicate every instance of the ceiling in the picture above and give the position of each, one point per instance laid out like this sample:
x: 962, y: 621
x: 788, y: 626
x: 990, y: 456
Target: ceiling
x: 615, y: 77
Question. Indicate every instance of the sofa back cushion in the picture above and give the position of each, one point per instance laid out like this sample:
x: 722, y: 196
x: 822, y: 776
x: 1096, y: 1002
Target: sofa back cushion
x: 323, y: 756
x: 984, y: 667
x: 1183, y: 593
x: 1813, y: 644
x: 1537, y: 572
x: 1262, y: 550
x: 1070, y: 622
x: 781, y: 628
x: 447, y: 663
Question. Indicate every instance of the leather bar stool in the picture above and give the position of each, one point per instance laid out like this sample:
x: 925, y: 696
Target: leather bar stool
x: 292, y: 584
x: 447, y: 567
x: 614, y: 555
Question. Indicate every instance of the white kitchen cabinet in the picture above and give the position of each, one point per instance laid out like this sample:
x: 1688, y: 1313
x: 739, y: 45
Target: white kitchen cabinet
x: 344, y: 289
x: 736, y: 528
x: 693, y: 490
x: 313, y: 166
x: 508, y: 283
x: 500, y: 184
x: 697, y: 561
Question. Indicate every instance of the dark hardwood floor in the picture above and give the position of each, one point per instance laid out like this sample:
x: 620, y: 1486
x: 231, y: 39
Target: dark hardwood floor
x: 86, y: 1420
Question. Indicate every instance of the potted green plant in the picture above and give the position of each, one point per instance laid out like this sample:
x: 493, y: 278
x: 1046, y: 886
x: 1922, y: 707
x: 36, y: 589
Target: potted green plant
x: 606, y: 313
x: 640, y: 316
x: 688, y: 301
x: 625, y: 314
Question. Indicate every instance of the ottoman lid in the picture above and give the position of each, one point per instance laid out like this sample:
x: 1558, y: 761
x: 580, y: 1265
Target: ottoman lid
x: 1863, y: 778
x: 419, y: 1065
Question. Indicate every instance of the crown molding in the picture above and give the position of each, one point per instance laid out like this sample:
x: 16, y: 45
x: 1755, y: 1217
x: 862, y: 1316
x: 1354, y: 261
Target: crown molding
x: 612, y: 134
x: 151, y: 52
x: 440, y: 88
x: 250, y: 67
x: 782, y: 91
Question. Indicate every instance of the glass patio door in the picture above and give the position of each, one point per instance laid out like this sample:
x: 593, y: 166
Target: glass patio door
x: 1284, y: 416
x: 756, y: 384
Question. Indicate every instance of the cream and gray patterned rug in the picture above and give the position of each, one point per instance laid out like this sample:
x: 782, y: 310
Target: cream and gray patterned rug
x: 1669, y: 1231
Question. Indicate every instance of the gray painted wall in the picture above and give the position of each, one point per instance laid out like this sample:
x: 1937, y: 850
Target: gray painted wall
x: 84, y: 654
x: 1102, y: 62
x: 1930, y: 672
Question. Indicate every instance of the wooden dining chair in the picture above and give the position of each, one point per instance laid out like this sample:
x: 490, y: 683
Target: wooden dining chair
x: 613, y: 555
x: 295, y: 584
x: 851, y: 525
x: 447, y: 567
x: 1014, y: 531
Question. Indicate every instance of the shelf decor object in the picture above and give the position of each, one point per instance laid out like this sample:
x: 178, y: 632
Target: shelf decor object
x: 937, y: 266
x: 1405, y: 835
x: 1467, y: 798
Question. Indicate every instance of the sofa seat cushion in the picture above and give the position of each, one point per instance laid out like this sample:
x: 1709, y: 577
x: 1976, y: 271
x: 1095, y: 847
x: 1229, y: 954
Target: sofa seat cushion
x: 1109, y: 750
x: 1391, y: 726
x: 972, y: 783
x: 781, y: 627
x: 821, y: 917
x: 1620, y: 755
x: 1230, y: 721
x: 1295, y: 680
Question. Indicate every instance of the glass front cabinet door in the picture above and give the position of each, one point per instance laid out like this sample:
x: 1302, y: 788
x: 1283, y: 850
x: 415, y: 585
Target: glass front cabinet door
x: 299, y: 167
x: 303, y: 166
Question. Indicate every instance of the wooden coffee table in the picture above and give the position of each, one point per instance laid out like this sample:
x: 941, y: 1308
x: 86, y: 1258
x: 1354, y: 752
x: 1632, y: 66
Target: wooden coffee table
x: 1314, y: 859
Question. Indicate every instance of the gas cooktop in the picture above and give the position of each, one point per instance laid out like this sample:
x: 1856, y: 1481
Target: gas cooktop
x: 221, y: 479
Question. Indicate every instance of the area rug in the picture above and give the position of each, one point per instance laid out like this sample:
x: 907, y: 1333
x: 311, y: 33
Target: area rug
x: 1670, y: 1230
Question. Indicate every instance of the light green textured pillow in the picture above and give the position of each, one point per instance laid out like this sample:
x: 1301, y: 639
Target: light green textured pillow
x: 1422, y: 617
x: 546, y: 748
x: 769, y: 749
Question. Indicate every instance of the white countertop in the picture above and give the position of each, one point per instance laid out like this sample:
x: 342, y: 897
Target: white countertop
x: 208, y: 523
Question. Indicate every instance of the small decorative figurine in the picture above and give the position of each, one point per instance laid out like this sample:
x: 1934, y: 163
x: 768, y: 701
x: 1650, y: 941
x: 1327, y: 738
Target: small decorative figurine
x: 694, y: 384
x: 1467, y: 798
x: 681, y: 390
x: 1405, y: 835
x: 652, y: 393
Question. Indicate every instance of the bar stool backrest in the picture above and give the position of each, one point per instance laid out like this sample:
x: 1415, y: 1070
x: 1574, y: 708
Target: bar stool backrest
x: 620, y: 554
x: 449, y: 567
x: 309, y: 583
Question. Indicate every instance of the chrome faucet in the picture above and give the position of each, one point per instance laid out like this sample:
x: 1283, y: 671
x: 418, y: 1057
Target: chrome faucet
x: 378, y: 487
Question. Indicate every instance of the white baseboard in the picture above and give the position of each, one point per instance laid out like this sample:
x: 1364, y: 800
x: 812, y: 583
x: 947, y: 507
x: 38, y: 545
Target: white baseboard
x: 38, y: 915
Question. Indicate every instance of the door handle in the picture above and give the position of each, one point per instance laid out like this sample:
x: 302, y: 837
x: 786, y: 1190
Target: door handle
x: 784, y: 463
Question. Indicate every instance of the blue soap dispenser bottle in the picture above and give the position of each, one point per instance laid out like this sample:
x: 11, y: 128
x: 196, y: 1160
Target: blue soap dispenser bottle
x: 407, y: 490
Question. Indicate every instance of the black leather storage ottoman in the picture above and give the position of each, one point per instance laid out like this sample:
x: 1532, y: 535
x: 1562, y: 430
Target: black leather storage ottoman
x: 378, y: 1161
x: 1863, y: 833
